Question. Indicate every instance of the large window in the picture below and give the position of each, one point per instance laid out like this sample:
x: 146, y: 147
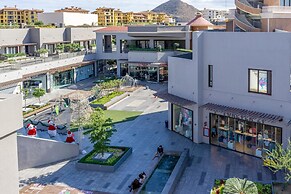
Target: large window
x: 210, y: 76
x: 182, y: 121
x: 260, y: 81
x: 244, y: 136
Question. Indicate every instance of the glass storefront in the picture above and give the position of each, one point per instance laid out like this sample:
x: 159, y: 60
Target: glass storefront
x: 106, y: 68
x: 243, y: 136
x: 64, y: 78
x: 153, y: 73
x: 84, y: 72
x: 182, y: 121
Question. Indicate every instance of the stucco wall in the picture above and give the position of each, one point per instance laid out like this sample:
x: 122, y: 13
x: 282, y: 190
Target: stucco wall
x: 11, y: 119
x: 34, y: 152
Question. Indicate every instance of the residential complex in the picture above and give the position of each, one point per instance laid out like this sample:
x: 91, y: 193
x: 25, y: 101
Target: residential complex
x: 73, y: 9
x: 214, y: 15
x: 114, y: 17
x: 261, y: 16
x: 13, y: 15
x: 241, y: 105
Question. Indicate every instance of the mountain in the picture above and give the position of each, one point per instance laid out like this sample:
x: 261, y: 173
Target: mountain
x: 182, y: 11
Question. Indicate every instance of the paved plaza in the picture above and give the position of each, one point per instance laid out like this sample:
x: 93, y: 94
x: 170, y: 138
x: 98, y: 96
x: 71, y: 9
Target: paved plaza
x: 144, y: 134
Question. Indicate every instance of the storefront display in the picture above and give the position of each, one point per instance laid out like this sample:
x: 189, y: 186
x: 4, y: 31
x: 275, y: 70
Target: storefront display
x: 148, y: 72
x: 182, y: 121
x: 243, y: 136
x: 64, y: 78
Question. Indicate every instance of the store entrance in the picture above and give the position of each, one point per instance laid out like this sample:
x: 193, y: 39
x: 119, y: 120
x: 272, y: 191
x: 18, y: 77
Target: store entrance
x: 243, y: 136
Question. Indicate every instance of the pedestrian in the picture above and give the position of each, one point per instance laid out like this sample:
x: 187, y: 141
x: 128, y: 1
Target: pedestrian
x: 160, y: 152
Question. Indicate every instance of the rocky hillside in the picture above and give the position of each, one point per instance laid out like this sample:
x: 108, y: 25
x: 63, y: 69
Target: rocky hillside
x: 183, y: 12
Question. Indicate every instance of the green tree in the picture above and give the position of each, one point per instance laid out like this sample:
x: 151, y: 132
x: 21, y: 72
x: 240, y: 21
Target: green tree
x: 239, y: 186
x: 102, y: 130
x: 279, y: 159
x: 38, y: 92
x: 25, y: 93
x: 38, y: 23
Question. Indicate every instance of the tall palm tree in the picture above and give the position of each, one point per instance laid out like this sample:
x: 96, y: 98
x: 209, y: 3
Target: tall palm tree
x: 239, y: 186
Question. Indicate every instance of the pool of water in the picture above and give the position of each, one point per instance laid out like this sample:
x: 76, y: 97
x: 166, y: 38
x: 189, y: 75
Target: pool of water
x: 158, y: 179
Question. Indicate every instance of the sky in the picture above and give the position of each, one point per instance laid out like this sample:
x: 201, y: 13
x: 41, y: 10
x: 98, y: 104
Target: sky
x: 123, y: 5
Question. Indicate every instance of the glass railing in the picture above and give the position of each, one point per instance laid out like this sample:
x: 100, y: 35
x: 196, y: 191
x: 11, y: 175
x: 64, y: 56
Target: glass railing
x: 36, y: 60
x: 150, y: 49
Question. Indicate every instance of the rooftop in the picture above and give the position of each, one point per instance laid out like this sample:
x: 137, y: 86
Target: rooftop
x: 113, y: 29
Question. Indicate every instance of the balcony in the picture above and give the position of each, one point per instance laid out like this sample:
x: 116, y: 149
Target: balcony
x: 149, y: 55
x: 246, y: 6
x: 242, y: 22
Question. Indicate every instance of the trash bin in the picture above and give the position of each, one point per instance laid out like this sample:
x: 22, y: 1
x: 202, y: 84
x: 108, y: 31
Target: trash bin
x: 166, y: 124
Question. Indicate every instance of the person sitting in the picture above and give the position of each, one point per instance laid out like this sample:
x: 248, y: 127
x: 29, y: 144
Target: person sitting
x: 141, y: 177
x: 160, y: 151
x: 134, y: 185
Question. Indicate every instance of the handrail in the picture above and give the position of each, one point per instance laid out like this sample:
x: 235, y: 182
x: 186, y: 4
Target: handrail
x: 245, y: 6
x: 242, y: 22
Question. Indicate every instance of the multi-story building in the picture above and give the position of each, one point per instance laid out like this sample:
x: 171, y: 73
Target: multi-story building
x: 111, y: 16
x: 13, y: 15
x: 225, y: 97
x: 56, y: 70
x: 214, y: 15
x: 140, y: 51
x: 261, y: 16
x: 73, y: 9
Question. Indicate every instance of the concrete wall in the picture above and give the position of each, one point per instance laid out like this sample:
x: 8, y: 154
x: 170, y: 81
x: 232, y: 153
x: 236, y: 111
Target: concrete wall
x: 79, y: 34
x: 11, y: 119
x: 147, y: 56
x: 44, y: 151
x: 62, y: 19
x: 59, y: 35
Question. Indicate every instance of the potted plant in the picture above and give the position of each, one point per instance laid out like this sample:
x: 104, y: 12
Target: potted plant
x: 42, y: 52
x: 60, y: 48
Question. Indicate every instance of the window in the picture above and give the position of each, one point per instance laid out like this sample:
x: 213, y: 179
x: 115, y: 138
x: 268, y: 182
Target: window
x: 260, y: 81
x: 210, y: 76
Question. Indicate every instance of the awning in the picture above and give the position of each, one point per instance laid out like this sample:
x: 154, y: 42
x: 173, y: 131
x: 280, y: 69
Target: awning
x: 69, y: 67
x: 175, y: 99
x: 24, y: 44
x: 243, y: 113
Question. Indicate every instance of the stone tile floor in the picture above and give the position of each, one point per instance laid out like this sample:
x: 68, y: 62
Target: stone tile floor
x: 144, y: 134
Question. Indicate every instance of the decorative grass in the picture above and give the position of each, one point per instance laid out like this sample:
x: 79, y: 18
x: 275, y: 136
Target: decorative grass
x: 107, y: 98
x: 118, y: 152
x: 119, y: 116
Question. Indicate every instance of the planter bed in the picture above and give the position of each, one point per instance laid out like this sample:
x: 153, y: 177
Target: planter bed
x: 87, y: 163
x: 36, y: 110
x: 108, y: 100
x: 262, y: 187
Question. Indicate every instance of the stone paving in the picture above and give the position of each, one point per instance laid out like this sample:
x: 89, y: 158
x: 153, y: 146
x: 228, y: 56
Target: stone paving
x: 144, y: 134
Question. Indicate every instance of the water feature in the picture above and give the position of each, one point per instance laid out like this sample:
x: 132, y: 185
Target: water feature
x: 157, y: 181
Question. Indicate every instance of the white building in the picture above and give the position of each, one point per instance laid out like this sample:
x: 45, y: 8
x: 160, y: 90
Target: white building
x: 140, y: 51
x: 214, y: 15
x: 237, y: 97
x: 63, y: 19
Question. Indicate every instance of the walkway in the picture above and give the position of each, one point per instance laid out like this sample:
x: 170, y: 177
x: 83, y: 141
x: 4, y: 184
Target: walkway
x: 144, y: 134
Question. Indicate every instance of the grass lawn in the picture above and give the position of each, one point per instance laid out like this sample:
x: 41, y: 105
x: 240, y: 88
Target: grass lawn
x: 118, y: 152
x: 119, y: 116
x: 107, y: 98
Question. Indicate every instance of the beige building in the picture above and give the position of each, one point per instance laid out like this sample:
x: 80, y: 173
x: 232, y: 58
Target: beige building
x: 11, y: 121
x: 72, y: 9
x: 261, y: 16
x: 13, y: 15
x: 113, y: 17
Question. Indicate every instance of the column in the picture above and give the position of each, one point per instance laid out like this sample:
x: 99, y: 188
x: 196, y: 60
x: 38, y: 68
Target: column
x: 49, y: 77
x: 118, y: 68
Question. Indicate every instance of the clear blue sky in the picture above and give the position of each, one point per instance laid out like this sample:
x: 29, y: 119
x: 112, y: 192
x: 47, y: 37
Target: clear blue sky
x: 124, y: 5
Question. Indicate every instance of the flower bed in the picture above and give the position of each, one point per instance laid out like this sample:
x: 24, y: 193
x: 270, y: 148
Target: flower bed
x: 35, y: 109
x: 219, y: 187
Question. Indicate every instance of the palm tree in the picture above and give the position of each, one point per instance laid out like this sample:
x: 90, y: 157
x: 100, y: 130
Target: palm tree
x: 240, y: 186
